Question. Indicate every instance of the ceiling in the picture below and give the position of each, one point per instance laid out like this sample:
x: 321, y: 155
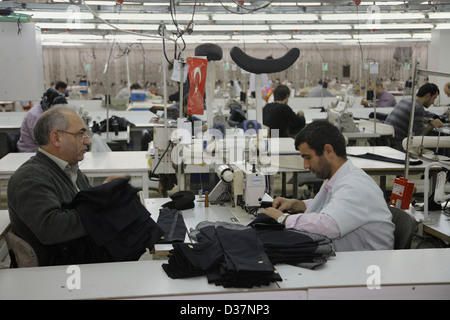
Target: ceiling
x: 233, y: 21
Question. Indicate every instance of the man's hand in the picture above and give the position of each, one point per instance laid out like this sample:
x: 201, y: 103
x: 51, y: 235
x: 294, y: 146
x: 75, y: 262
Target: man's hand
x: 111, y: 178
x: 436, y: 123
x: 291, y: 205
x: 282, y: 204
x: 272, y: 212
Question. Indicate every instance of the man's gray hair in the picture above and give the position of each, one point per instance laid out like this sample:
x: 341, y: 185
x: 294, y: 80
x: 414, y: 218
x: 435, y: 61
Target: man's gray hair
x: 52, y: 119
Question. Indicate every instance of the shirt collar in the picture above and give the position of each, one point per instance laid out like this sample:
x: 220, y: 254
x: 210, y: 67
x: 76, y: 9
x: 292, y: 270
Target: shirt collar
x: 330, y: 183
x: 60, y: 162
x: 71, y: 170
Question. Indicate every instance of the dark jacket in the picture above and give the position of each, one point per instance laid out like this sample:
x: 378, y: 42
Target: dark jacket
x: 116, y: 220
x: 281, y: 117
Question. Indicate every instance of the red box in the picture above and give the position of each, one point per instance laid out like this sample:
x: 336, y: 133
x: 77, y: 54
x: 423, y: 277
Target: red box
x: 402, y: 191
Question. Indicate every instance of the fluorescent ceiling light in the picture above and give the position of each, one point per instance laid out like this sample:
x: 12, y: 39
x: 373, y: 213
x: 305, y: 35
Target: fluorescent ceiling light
x: 151, y: 27
x: 100, y: 3
x: 394, y: 26
x: 265, y: 17
x: 263, y: 37
x: 439, y: 15
x: 129, y: 37
x: 206, y: 37
x: 61, y: 15
x: 422, y: 36
x: 231, y: 27
x: 55, y: 25
x: 383, y: 36
x: 322, y: 36
x: 70, y: 36
x: 443, y: 26
x: 151, y: 16
x: 165, y: 4
x: 372, y: 17
x: 382, y: 3
x: 61, y: 44
x: 310, y: 27
x: 296, y: 3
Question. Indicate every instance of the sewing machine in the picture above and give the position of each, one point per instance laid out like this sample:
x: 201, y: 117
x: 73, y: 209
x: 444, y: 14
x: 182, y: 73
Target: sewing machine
x: 341, y: 118
x: 241, y: 183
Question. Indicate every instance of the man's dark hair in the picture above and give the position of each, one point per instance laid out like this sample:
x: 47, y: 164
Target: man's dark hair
x: 60, y: 84
x: 281, y: 92
x: 319, y: 133
x: 430, y: 88
x: 135, y: 86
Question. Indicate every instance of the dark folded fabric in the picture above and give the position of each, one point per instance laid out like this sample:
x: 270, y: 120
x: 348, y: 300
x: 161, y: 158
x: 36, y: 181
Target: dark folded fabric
x: 171, y: 221
x: 373, y: 156
x: 303, y: 249
x: 245, y: 261
x: 234, y: 255
x: 229, y: 255
x: 116, y: 220
x: 181, y: 200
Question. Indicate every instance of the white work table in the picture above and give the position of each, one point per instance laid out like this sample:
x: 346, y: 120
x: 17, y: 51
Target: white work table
x: 95, y: 164
x: 440, y: 226
x: 403, y: 274
x: 381, y: 167
x: 415, y: 274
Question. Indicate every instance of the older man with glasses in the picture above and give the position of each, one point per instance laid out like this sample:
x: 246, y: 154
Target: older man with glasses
x: 41, y: 190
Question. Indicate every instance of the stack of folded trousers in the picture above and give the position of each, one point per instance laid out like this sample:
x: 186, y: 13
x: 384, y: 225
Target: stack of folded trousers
x: 233, y: 255
x: 302, y: 249
x: 230, y: 255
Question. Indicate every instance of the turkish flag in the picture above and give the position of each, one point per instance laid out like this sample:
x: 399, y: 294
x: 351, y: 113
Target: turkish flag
x: 197, y: 80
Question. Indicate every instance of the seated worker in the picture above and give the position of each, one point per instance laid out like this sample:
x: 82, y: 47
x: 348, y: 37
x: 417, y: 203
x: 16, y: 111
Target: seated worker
x: 384, y: 98
x: 399, y: 116
x: 124, y: 93
x: 61, y: 87
x: 26, y: 142
x: 278, y: 115
x: 447, y: 89
x: 320, y: 91
x: 349, y: 208
x: 40, y: 191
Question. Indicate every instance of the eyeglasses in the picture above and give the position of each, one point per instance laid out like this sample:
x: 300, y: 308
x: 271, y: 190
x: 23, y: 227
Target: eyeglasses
x: 80, y: 136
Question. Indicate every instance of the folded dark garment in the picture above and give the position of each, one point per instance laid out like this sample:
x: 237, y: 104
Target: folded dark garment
x: 171, y: 221
x: 192, y: 259
x: 373, y: 156
x: 181, y: 200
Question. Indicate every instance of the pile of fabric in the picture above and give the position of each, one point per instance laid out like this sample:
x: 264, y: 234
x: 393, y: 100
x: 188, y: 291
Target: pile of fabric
x: 233, y: 255
x: 116, y: 220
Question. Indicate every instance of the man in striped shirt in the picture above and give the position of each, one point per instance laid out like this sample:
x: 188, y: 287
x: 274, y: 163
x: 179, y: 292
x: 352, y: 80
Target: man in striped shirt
x: 399, y: 116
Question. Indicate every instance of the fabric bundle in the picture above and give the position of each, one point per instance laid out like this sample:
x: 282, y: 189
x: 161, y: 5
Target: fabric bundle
x: 302, y: 249
x: 234, y: 255
x: 116, y: 220
x: 229, y: 254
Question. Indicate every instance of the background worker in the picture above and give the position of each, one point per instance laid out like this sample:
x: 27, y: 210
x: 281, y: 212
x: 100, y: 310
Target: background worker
x: 280, y: 116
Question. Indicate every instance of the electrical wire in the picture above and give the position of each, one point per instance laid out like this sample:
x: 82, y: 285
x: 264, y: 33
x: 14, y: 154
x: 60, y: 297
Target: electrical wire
x: 120, y: 29
x: 159, y: 161
x: 241, y: 6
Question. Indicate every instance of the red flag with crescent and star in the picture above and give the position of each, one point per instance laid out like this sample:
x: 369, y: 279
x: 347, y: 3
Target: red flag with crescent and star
x: 197, y: 81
